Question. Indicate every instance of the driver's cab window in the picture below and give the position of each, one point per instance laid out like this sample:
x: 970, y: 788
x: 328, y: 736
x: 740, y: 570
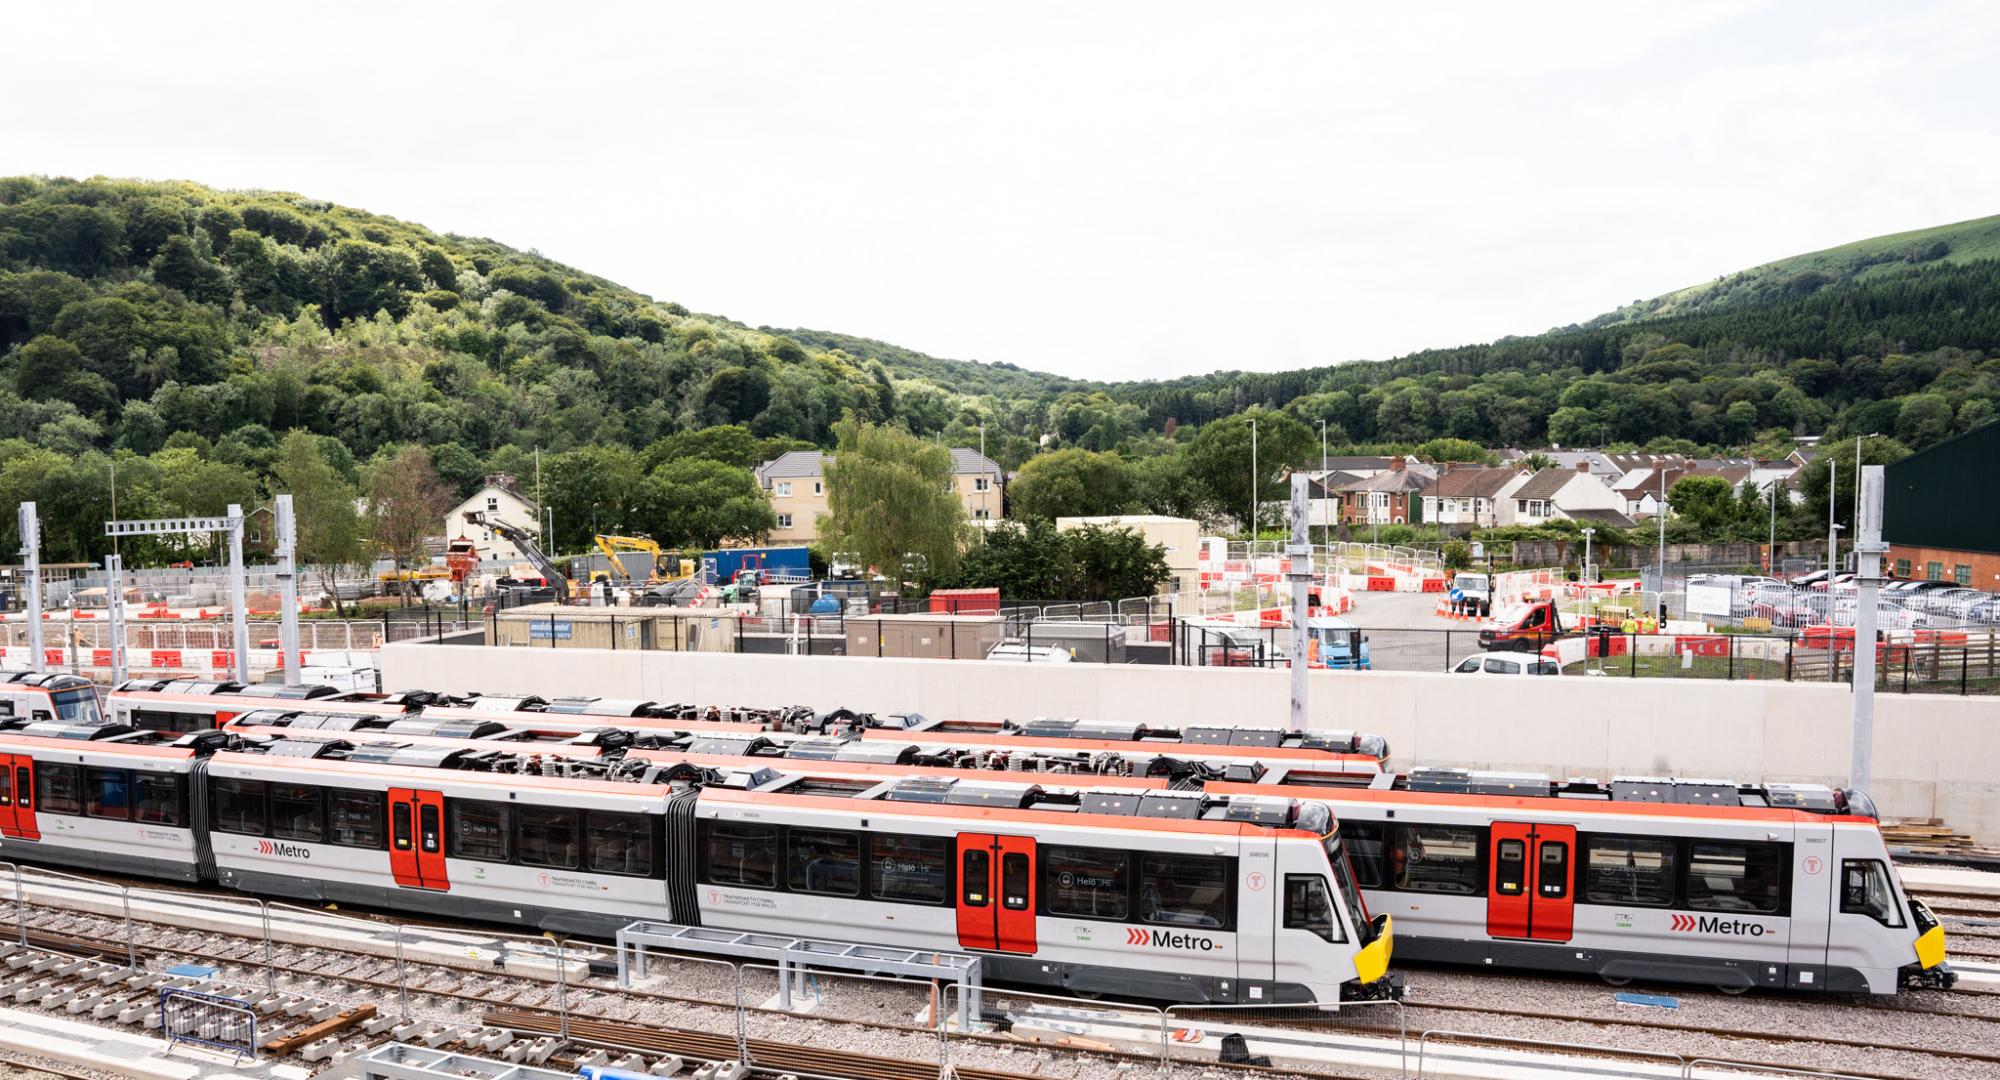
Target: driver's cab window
x: 1864, y: 890
x: 1534, y: 618
x: 1309, y: 907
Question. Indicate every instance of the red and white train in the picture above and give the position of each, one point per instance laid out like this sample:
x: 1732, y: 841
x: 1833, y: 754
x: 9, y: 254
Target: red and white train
x: 1171, y: 895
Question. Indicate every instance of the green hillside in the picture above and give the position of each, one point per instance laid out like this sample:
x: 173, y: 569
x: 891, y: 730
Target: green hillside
x: 1802, y: 275
x: 214, y: 345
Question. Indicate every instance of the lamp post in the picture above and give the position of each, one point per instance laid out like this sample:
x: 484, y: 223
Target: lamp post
x: 1832, y: 530
x: 1858, y: 440
x: 1326, y: 535
x: 1253, y: 483
x: 1588, y: 532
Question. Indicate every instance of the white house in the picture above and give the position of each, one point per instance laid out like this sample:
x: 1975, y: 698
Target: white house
x: 1470, y: 495
x: 1561, y: 493
x: 498, y: 498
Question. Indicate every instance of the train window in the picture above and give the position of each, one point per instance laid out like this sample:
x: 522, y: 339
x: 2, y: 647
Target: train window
x: 745, y: 855
x: 1735, y: 877
x: 1308, y: 907
x: 546, y: 836
x: 295, y: 813
x: 24, y: 787
x: 158, y: 799
x: 1864, y: 890
x: 1184, y: 890
x: 822, y: 861
x: 1014, y: 881
x: 1366, y: 843
x: 430, y: 830
x: 239, y: 806
x: 1628, y: 870
x: 1440, y: 859
x: 60, y: 789
x: 108, y: 794
x: 1085, y: 882
x: 1511, y: 872
x: 977, y: 878
x: 6, y: 786
x: 910, y: 869
x: 354, y: 819
x: 479, y: 830
x: 1552, y: 880
x: 399, y: 826
x: 619, y: 843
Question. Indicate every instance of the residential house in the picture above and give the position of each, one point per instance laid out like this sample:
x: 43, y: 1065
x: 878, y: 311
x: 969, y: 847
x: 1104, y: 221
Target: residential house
x: 1360, y: 467
x: 796, y: 485
x: 497, y: 498
x: 1323, y: 501
x: 1469, y: 495
x: 1596, y: 462
x: 1553, y: 494
x: 1388, y: 498
x: 795, y: 482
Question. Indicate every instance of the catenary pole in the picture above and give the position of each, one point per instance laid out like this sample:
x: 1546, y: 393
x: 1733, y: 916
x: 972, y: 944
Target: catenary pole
x: 114, y: 614
x: 31, y: 582
x: 1868, y: 549
x: 239, y: 614
x: 1300, y: 576
x: 286, y: 551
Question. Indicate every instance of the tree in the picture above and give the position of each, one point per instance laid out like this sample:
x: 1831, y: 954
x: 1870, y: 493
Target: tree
x: 1453, y: 450
x: 731, y: 443
x: 1071, y: 483
x: 329, y: 528
x: 698, y: 502
x: 891, y: 495
x: 1812, y: 480
x: 406, y: 505
x: 1037, y: 562
x: 1220, y: 457
x: 1706, y: 502
x: 1924, y: 419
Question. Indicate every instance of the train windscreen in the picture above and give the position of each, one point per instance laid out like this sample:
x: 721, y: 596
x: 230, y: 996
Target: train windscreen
x: 1343, y: 879
x: 77, y: 706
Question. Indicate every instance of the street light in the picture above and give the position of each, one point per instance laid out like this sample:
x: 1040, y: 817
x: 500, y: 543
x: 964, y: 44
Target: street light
x: 1858, y: 440
x: 1253, y: 483
x: 1588, y: 532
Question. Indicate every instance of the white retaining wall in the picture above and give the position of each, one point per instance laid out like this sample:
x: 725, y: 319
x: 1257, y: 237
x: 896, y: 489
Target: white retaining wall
x: 1935, y: 756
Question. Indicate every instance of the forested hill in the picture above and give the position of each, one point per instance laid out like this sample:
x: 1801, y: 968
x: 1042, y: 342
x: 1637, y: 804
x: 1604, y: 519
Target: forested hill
x: 192, y: 330
x: 1802, y: 275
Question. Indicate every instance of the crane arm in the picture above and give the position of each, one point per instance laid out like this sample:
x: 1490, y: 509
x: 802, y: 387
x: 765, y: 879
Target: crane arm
x: 529, y: 550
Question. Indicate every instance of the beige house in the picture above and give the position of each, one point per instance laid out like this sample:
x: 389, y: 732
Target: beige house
x: 796, y: 485
x: 498, y: 498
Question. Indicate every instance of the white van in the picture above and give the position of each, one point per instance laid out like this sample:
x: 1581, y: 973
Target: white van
x: 1506, y: 663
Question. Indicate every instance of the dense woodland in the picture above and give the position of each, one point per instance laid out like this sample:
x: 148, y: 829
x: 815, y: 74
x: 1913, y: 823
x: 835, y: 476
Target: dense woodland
x: 206, y: 341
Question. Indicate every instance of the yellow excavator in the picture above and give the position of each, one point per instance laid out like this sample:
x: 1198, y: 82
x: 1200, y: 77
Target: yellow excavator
x: 664, y: 567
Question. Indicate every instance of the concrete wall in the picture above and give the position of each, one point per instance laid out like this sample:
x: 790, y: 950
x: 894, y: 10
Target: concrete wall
x: 1934, y: 756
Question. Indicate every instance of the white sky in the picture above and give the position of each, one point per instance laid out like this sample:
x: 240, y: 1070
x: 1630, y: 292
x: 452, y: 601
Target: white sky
x: 1105, y: 191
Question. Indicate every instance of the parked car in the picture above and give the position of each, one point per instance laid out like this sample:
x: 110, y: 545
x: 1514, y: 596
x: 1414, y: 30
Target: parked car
x: 1494, y: 663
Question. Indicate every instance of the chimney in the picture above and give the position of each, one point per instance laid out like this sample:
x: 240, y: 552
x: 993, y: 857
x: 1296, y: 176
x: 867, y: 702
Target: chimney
x: 1583, y: 466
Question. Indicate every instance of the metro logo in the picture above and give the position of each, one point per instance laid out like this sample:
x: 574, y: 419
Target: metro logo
x: 283, y: 851
x: 1162, y: 939
x: 1710, y: 924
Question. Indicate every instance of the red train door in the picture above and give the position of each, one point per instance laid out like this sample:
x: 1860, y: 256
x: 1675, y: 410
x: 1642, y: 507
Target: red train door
x: 17, y: 797
x: 416, y: 839
x: 996, y: 892
x: 1530, y: 881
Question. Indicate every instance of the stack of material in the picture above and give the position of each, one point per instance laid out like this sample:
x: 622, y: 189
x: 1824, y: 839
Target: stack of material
x: 1929, y: 837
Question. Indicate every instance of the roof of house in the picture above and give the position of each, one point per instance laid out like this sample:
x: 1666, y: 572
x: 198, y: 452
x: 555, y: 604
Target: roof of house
x: 1546, y: 483
x: 793, y: 463
x: 1394, y: 480
x: 1471, y: 481
x: 1599, y: 516
x: 1639, y: 482
x: 966, y: 460
x: 1329, y: 486
x: 1354, y: 463
x: 496, y: 484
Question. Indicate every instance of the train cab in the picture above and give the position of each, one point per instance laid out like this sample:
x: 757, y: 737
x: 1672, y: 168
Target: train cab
x: 67, y: 699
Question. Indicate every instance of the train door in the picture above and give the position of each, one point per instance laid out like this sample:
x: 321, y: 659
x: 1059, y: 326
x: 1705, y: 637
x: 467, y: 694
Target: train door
x: 416, y: 839
x: 17, y: 797
x: 1530, y: 881
x: 996, y: 892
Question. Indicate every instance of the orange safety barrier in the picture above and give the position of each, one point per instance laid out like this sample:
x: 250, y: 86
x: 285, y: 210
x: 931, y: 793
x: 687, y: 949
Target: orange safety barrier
x: 1381, y: 584
x: 1433, y: 584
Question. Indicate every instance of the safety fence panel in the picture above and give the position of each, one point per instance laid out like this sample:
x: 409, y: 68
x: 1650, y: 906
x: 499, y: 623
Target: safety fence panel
x: 211, y: 1020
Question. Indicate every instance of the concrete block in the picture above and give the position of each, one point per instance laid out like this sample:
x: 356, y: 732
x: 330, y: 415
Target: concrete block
x: 705, y: 1072
x: 151, y: 1019
x: 543, y: 1049
x: 132, y: 1014
x: 299, y: 1006
x: 19, y: 960
x: 45, y: 962
x: 320, y: 1051
x: 74, y: 966
x: 106, y: 1010
x: 324, y: 1012
x: 632, y: 1062
x: 592, y: 1057
x: 436, y: 1037
x: 405, y: 1031
x: 82, y: 1003
x: 32, y: 992
x: 667, y: 1066
x: 491, y: 1039
x: 377, y: 1024
x: 110, y: 975
x: 58, y: 997
x: 516, y: 1052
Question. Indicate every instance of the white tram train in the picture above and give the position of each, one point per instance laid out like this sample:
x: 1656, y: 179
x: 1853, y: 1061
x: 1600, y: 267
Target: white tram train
x: 1694, y: 881
x: 1173, y: 895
